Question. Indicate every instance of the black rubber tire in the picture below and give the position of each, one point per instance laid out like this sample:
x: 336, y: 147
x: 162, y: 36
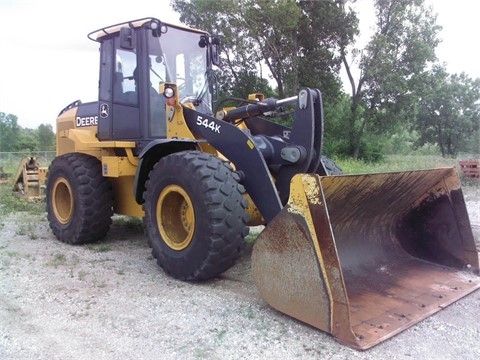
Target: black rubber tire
x: 331, y: 167
x: 79, y: 199
x: 213, y: 198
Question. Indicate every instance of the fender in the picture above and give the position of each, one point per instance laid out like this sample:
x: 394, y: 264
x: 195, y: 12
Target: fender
x: 150, y: 155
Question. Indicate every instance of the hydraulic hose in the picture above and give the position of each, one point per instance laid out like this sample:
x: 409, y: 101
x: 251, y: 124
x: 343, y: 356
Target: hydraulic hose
x: 261, y: 107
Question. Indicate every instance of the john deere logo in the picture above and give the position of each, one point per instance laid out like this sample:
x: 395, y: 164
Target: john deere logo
x: 87, y: 121
x: 104, y: 110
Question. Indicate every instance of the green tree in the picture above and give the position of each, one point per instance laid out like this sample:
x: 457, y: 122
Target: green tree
x: 45, y: 137
x: 9, y: 132
x: 239, y: 54
x: 274, y: 27
x: 335, y: 112
x: 402, y: 46
x: 27, y: 141
x: 325, y: 28
x: 449, y: 112
x: 298, y: 41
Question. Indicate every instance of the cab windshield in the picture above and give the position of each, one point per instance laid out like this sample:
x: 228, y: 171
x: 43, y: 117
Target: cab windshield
x: 177, y: 57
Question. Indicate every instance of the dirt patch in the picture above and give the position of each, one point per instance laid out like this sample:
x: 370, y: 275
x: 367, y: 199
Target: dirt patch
x: 111, y: 301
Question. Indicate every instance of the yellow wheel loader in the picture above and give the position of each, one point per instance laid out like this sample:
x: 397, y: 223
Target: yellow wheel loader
x: 361, y: 257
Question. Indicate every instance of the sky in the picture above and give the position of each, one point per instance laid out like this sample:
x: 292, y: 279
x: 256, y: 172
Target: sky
x: 47, y: 61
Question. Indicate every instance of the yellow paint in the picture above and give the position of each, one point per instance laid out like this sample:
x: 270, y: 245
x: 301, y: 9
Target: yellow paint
x: 177, y: 128
x: 255, y: 218
x: 256, y: 96
x: 304, y: 188
x: 62, y: 200
x: 175, y: 217
x: 65, y: 122
x: 124, y: 199
x: 115, y: 166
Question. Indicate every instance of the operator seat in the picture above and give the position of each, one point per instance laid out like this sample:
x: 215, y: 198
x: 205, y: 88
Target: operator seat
x: 157, y: 114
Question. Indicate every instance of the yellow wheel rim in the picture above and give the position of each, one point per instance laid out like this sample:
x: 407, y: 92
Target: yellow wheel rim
x: 175, y: 217
x: 62, y: 200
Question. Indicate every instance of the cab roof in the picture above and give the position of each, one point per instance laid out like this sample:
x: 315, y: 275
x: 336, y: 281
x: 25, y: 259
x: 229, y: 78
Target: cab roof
x: 97, y: 35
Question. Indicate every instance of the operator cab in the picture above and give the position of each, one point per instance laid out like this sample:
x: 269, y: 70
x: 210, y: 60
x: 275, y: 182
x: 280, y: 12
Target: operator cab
x: 137, y: 59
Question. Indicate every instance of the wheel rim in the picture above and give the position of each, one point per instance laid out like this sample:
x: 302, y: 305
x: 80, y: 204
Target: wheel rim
x: 175, y: 217
x: 62, y: 200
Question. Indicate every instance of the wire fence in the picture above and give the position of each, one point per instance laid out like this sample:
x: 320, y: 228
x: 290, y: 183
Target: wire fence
x: 10, y: 161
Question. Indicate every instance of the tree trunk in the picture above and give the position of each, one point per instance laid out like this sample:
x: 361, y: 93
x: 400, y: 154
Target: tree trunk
x: 441, y: 145
x: 354, y: 139
x: 358, y: 140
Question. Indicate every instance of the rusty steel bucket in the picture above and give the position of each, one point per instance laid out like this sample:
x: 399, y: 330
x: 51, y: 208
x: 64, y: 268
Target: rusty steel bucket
x: 364, y: 257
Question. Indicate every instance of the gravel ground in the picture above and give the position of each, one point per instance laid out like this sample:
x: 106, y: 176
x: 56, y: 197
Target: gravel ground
x: 111, y: 301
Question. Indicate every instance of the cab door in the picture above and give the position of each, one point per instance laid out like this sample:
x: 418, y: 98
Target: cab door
x: 119, y: 93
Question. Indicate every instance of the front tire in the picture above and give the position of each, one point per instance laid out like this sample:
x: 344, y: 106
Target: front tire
x: 79, y: 199
x: 195, y: 215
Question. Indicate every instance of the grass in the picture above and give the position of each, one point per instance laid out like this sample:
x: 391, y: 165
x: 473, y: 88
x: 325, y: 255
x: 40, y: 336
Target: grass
x: 12, y: 203
x: 99, y: 247
x: 249, y: 313
x: 128, y: 222
x: 251, y: 237
x: 81, y: 275
x: 403, y: 163
x: 395, y: 163
x: 12, y: 254
x: 28, y: 228
x: 57, y: 260
x: 99, y: 283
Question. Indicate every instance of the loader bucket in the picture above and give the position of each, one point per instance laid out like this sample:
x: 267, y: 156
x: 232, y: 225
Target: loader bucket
x: 364, y: 257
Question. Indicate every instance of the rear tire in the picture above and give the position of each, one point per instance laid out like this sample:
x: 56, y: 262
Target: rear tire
x: 195, y: 215
x: 331, y: 167
x: 79, y: 199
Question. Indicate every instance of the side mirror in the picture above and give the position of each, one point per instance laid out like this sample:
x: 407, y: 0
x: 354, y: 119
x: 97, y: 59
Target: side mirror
x: 127, y: 38
x: 214, y: 55
x: 213, y: 43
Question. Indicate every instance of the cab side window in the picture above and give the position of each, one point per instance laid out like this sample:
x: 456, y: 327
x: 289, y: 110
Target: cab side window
x: 124, y: 82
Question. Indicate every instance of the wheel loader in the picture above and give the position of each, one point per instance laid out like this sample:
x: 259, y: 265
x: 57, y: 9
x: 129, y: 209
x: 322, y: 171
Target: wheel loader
x: 361, y: 257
